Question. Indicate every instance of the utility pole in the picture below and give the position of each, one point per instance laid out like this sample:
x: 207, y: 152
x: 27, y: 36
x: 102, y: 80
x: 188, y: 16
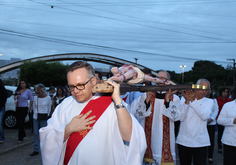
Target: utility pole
x: 233, y: 72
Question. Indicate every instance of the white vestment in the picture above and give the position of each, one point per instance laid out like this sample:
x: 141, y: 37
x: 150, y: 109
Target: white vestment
x: 102, y: 145
x: 129, y: 97
x: 172, y: 112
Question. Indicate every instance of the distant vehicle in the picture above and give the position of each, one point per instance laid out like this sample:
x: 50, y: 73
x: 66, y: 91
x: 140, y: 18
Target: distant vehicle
x: 9, y: 119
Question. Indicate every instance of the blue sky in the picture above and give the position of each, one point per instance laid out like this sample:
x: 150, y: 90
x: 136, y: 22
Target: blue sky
x: 162, y: 34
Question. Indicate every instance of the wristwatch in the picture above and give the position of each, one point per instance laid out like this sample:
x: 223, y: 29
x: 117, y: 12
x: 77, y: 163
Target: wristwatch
x: 121, y: 105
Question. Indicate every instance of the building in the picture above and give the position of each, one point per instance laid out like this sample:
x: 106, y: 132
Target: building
x: 11, y: 74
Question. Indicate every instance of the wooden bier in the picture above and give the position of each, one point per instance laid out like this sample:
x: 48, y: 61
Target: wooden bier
x: 107, y: 88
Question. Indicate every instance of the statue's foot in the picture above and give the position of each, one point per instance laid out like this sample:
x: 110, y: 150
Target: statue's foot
x: 116, y: 79
x: 115, y: 71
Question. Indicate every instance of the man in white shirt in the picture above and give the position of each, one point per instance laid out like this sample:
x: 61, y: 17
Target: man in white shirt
x: 88, y: 129
x: 227, y: 118
x: 193, y: 137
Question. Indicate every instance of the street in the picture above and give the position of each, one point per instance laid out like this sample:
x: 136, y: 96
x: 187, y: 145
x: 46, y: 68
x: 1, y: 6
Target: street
x: 21, y: 156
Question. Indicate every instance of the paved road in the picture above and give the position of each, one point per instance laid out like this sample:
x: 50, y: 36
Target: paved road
x: 12, y: 153
x: 21, y: 156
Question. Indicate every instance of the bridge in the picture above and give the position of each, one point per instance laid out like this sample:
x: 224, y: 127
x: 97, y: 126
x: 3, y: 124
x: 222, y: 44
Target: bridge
x: 113, y: 61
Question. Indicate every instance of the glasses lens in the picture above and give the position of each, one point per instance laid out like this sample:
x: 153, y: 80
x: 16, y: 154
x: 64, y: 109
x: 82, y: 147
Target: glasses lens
x: 80, y: 87
x: 72, y: 88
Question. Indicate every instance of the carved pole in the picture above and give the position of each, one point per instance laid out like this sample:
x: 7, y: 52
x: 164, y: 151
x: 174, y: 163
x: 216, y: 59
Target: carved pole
x: 106, y: 88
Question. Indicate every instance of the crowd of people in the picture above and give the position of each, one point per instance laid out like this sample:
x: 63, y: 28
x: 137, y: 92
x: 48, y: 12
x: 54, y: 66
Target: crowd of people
x: 125, y: 128
x: 38, y: 103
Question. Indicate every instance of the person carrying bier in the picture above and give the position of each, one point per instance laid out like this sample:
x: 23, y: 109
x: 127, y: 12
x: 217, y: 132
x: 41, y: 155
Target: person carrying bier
x: 90, y: 129
x: 158, y: 111
x: 193, y: 138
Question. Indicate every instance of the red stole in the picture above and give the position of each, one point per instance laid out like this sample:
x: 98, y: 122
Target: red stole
x: 148, y: 156
x: 166, y: 157
x: 98, y: 106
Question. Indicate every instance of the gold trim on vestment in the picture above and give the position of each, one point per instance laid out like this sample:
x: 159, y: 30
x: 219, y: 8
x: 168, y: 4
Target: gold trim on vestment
x: 148, y: 160
x: 168, y: 163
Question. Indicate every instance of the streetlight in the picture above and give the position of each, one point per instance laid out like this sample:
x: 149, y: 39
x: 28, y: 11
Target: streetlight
x: 182, y: 66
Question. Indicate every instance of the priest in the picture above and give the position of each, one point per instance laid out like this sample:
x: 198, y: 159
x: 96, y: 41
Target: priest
x: 158, y: 111
x: 91, y: 129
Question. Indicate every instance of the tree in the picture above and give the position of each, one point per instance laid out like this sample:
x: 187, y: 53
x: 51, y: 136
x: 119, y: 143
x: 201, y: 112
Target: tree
x: 47, y: 73
x: 215, y: 74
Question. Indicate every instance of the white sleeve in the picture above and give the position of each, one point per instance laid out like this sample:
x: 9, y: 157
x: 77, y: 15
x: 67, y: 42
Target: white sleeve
x: 203, y: 112
x: 137, y: 145
x: 173, y: 111
x: 184, y: 109
x: 138, y: 107
x: 51, y: 140
x: 132, y: 154
x: 223, y: 119
x: 215, y: 110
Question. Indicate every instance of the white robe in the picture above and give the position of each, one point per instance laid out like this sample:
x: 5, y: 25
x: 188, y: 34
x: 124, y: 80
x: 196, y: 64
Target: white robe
x: 172, y: 112
x: 102, y: 145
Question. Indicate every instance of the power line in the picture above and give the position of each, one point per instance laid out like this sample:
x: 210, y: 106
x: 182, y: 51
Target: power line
x: 14, y: 33
x: 169, y: 30
x: 226, y: 41
x: 143, y: 19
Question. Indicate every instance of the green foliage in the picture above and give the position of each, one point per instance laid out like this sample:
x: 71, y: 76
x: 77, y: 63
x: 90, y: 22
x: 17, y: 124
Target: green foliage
x: 47, y: 73
x: 216, y: 74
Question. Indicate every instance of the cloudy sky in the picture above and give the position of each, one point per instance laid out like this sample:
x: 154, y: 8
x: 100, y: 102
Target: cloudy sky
x: 162, y: 34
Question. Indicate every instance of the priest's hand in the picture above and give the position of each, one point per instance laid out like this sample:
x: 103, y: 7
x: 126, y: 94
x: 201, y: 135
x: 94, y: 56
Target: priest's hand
x: 169, y: 94
x: 150, y: 94
x: 189, y: 95
x: 192, y: 95
x: 186, y: 96
x: 79, y: 123
x: 116, y: 92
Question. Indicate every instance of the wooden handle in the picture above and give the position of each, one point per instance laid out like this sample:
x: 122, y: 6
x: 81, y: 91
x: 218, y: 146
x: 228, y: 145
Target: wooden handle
x: 107, y: 88
x: 102, y: 88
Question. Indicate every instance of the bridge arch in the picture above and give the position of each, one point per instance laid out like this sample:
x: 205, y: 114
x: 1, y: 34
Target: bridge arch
x: 105, y: 59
